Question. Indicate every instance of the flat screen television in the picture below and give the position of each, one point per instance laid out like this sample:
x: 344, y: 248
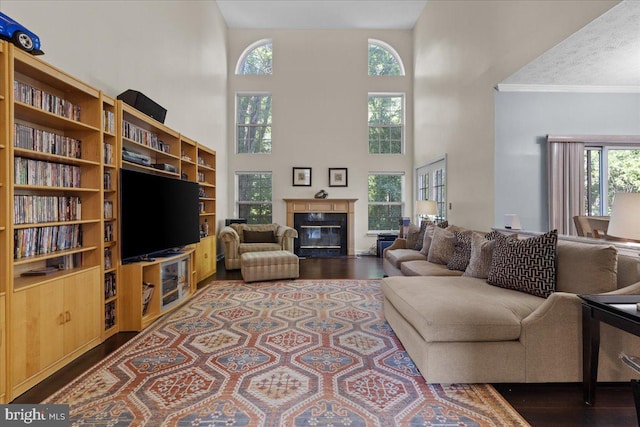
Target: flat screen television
x: 157, y: 214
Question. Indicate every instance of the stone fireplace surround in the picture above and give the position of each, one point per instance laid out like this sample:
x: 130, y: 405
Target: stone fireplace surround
x: 325, y: 206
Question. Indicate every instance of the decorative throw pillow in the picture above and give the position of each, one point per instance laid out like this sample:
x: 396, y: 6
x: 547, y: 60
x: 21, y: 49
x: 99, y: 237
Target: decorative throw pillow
x: 259, y: 236
x: 481, y: 254
x: 412, y: 236
x: 426, y: 241
x: 443, y: 224
x: 525, y: 265
x: 462, y: 251
x: 423, y: 229
x: 442, y: 246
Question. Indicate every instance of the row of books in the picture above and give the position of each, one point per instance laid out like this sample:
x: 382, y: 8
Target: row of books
x: 66, y: 262
x: 24, y: 92
x: 108, y: 209
x: 108, y: 154
x: 108, y: 232
x: 109, y: 315
x: 109, y: 285
x: 143, y: 136
x: 109, y: 122
x: 50, y: 174
x: 46, y: 142
x: 28, y: 209
x: 107, y: 181
x: 108, y: 262
x: 43, y: 240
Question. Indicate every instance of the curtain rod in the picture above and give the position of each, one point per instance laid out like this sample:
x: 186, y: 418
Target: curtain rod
x: 628, y: 139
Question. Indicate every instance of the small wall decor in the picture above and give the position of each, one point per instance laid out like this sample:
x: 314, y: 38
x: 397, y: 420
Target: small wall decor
x: 321, y: 195
x: 301, y: 177
x: 338, y: 177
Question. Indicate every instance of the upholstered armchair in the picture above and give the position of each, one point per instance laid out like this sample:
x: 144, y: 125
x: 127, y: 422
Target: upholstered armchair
x: 241, y: 238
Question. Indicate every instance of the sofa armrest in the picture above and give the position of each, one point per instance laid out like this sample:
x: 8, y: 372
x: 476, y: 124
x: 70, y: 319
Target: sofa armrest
x: 228, y: 234
x: 231, y: 241
x: 399, y: 243
x: 285, y: 235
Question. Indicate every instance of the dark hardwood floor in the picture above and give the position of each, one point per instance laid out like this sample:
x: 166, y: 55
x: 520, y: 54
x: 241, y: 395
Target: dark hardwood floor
x: 541, y: 405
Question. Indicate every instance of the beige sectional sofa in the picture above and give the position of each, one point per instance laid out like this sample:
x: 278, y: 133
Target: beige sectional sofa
x: 463, y: 329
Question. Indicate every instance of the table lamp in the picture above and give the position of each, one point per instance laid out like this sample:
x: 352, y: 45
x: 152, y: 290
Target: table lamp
x: 624, y: 221
x: 426, y: 208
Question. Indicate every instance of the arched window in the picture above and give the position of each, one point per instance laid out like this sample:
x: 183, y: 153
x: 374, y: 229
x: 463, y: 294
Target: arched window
x: 256, y: 59
x: 384, y: 60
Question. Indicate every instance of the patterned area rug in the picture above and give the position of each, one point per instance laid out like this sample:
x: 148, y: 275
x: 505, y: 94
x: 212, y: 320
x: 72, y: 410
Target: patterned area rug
x: 287, y: 353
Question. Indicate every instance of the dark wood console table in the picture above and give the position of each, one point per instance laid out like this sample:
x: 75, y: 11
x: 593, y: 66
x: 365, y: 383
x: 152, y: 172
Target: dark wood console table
x: 616, y: 310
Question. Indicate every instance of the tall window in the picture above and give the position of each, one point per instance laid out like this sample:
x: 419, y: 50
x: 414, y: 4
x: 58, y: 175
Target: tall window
x: 609, y: 170
x: 257, y: 59
x: 384, y: 60
x: 254, y: 197
x: 386, y: 203
x: 431, y: 184
x: 253, y: 123
x: 386, y: 123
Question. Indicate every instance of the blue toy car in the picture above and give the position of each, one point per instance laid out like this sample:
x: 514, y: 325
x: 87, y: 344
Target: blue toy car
x: 19, y: 35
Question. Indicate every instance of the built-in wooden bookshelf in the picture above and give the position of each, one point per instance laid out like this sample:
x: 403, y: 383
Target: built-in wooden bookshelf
x: 206, y: 177
x: 4, y: 215
x: 54, y: 195
x: 110, y: 248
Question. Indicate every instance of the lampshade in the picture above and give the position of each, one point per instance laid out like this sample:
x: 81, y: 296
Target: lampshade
x: 427, y: 207
x: 625, y: 216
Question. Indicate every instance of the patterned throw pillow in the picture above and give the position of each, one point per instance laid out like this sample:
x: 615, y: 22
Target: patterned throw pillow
x: 420, y: 240
x: 443, y: 245
x: 426, y: 241
x: 481, y: 254
x: 462, y: 251
x: 525, y: 265
x: 412, y: 236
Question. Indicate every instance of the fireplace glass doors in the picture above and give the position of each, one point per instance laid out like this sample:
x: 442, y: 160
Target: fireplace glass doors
x: 321, y: 234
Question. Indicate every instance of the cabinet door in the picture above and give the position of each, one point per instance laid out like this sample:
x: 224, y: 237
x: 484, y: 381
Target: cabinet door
x: 37, y: 330
x: 82, y: 309
x: 206, y: 257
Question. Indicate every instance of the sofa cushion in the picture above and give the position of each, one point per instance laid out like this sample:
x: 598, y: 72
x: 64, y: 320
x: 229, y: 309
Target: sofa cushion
x: 442, y: 246
x: 525, y: 265
x: 397, y: 256
x: 420, y: 237
x: 412, y: 236
x: 253, y: 227
x: 586, y: 268
x: 426, y: 268
x: 250, y: 236
x: 481, y: 256
x: 459, y: 308
x: 258, y: 247
x: 462, y: 251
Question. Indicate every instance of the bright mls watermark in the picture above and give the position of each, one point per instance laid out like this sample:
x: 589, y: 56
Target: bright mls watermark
x: 34, y: 415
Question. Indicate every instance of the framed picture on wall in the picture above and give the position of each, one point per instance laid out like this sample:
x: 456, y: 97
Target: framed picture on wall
x: 338, y: 177
x: 301, y: 177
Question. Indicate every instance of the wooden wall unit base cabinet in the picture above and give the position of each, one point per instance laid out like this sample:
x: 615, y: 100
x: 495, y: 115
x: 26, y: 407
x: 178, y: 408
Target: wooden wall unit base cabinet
x: 173, y: 279
x: 51, y: 324
x: 3, y: 351
x: 206, y: 257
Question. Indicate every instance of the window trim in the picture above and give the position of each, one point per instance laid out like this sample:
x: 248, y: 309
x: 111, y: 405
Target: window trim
x: 402, y: 202
x: 403, y: 126
x: 247, y: 51
x: 236, y: 124
x: 386, y: 46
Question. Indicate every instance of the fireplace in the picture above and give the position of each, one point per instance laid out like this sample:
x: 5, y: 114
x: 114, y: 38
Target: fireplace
x: 320, y: 234
x: 331, y: 225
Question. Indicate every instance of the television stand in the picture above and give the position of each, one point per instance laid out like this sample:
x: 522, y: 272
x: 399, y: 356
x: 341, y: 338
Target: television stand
x: 174, y: 280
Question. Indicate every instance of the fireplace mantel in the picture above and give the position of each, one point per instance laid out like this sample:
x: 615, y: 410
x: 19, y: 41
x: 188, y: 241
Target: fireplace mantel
x: 326, y: 205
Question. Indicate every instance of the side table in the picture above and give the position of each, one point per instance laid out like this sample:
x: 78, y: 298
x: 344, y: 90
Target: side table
x: 616, y: 310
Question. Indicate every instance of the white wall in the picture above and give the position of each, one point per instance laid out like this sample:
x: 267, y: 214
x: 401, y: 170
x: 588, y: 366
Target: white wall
x: 172, y: 51
x: 320, y: 89
x: 523, y: 120
x: 462, y: 50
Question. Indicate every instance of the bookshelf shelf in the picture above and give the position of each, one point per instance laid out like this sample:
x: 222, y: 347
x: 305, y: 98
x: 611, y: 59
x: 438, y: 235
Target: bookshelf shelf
x: 37, y: 155
x: 37, y: 116
x: 54, y: 224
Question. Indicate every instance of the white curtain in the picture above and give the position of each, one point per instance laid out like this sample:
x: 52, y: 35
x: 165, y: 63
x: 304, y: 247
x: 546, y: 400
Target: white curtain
x: 565, y: 177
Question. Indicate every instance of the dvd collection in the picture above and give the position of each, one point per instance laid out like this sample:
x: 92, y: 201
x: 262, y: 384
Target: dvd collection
x: 106, y: 181
x: 108, y: 264
x: 109, y: 124
x: 108, y: 232
x: 66, y: 262
x: 144, y: 137
x: 108, y: 154
x: 43, y: 240
x: 25, y: 93
x: 108, y: 209
x: 109, y: 315
x: 49, y: 174
x: 28, y: 209
x: 109, y: 285
x: 46, y: 142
